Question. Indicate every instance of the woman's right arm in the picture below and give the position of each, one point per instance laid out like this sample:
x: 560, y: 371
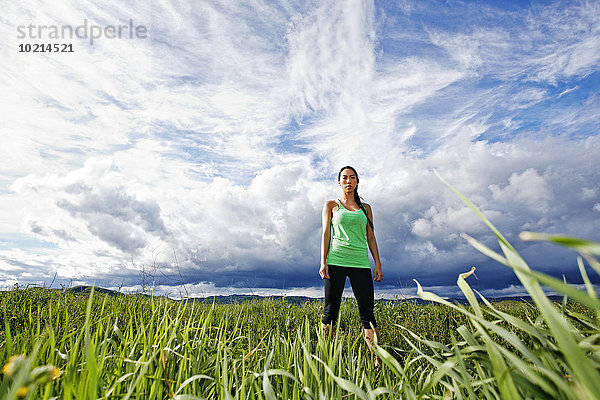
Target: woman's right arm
x: 326, y: 222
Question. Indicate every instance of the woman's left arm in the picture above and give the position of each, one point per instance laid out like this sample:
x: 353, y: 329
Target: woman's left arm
x: 372, y: 242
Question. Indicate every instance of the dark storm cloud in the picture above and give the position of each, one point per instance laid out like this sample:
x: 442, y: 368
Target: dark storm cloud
x: 113, y: 216
x: 115, y: 202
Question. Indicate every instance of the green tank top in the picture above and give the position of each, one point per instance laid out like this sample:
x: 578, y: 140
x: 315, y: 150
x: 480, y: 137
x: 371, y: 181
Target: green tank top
x: 348, y: 246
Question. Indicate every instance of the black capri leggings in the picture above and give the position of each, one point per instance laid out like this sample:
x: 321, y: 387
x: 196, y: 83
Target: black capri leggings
x: 362, y: 286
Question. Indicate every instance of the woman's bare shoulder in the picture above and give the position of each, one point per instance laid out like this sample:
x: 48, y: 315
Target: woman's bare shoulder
x: 330, y: 204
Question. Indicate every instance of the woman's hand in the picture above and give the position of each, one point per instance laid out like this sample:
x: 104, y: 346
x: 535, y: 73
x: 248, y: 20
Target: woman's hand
x: 378, y: 274
x: 324, y: 271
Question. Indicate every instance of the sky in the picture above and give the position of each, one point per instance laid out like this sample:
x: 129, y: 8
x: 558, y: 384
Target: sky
x: 193, y: 152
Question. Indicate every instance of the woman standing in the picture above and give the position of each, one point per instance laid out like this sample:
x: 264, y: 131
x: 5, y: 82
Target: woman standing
x: 346, y: 254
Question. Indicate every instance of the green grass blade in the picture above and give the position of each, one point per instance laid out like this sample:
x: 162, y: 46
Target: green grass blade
x: 579, y: 245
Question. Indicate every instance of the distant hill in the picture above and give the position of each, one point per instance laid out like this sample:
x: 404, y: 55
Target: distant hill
x: 238, y: 298
x: 88, y: 289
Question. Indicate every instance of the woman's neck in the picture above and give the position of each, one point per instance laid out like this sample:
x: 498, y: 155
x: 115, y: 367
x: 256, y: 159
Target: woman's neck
x: 347, y: 197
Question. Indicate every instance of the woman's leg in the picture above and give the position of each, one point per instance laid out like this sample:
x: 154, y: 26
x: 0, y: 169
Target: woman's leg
x: 334, y: 287
x: 362, y: 286
x: 372, y: 338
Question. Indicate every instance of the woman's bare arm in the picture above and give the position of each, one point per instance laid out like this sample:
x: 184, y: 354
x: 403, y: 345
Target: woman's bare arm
x: 372, y: 242
x: 326, y: 236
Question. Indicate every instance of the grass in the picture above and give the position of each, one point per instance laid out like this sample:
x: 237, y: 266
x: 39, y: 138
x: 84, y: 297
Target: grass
x: 138, y: 347
x: 57, y: 344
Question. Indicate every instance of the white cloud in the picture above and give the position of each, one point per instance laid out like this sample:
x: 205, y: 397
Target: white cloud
x: 528, y: 188
x: 526, y: 98
x: 331, y: 56
x: 471, y: 51
x: 575, y: 49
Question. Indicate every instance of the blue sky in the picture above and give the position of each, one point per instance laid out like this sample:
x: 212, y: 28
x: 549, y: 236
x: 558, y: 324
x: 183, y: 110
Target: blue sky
x: 203, y: 152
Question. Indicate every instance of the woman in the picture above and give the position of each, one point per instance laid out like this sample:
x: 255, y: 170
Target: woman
x: 347, y: 256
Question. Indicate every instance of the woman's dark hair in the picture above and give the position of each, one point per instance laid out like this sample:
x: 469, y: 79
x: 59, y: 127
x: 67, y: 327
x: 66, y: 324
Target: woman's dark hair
x: 356, y: 196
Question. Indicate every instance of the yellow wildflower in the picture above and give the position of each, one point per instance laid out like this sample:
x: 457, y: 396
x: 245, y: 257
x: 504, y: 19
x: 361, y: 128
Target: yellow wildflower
x: 22, y: 392
x: 14, y: 364
x: 45, y: 374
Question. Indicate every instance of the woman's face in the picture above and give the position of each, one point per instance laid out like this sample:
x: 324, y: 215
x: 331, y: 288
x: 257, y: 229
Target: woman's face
x: 348, y: 180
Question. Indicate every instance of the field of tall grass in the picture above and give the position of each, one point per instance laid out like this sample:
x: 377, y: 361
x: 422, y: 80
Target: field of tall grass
x: 56, y: 344
x: 107, y: 346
